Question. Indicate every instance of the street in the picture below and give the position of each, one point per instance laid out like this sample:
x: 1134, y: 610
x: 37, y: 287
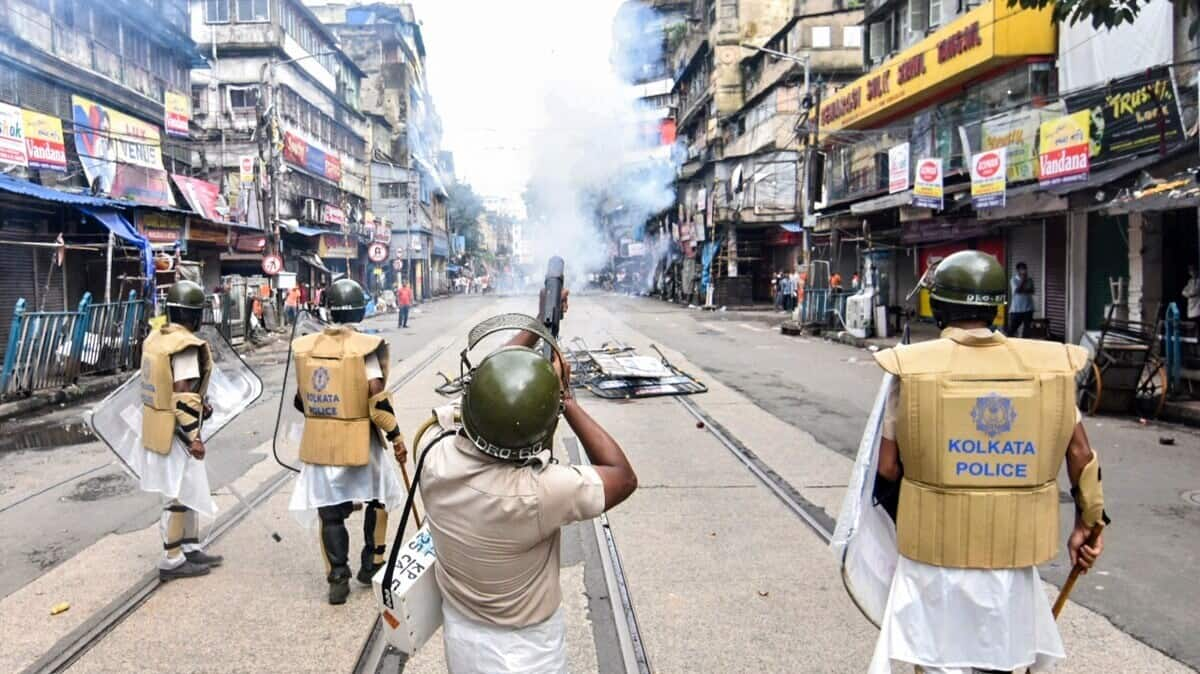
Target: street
x: 719, y: 571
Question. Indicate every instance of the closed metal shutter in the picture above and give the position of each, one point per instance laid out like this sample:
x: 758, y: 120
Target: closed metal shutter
x: 1025, y: 245
x: 1056, y: 278
x: 17, y: 263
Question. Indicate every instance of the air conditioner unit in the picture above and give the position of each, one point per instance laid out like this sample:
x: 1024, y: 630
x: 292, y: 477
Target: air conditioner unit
x: 312, y: 211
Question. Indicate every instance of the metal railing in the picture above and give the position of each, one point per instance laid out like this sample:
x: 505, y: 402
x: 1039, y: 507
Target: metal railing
x: 50, y: 349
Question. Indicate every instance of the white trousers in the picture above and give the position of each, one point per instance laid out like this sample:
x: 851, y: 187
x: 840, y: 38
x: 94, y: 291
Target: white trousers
x: 477, y: 648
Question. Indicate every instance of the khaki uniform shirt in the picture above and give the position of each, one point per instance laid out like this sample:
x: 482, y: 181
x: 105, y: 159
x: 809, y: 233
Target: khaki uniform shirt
x: 496, y: 529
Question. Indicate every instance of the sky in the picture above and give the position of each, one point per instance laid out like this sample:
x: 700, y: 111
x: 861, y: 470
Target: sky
x: 491, y: 68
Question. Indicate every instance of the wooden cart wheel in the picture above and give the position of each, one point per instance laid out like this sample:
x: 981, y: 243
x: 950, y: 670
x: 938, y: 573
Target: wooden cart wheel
x: 1152, y: 390
x: 1088, y: 390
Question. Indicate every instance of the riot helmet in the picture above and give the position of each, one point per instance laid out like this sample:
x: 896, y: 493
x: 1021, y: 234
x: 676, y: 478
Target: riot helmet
x: 511, y: 401
x: 969, y: 285
x: 346, y: 300
x: 185, y: 304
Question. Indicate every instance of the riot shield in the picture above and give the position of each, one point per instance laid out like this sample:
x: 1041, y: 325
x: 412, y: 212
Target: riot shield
x: 865, y: 538
x: 289, y: 421
x: 232, y: 387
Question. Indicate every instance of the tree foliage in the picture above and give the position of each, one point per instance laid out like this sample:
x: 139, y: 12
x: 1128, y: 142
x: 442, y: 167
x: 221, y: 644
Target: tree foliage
x: 463, y: 213
x: 1103, y: 13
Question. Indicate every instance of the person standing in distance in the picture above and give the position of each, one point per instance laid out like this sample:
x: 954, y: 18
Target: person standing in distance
x: 495, y: 501
x: 404, y: 299
x: 972, y: 524
x: 176, y: 365
x: 341, y: 390
x: 1020, y: 309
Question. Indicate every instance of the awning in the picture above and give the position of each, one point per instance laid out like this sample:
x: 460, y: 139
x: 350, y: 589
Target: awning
x: 882, y: 203
x: 118, y: 224
x: 294, y: 227
x: 793, y: 227
x: 28, y: 189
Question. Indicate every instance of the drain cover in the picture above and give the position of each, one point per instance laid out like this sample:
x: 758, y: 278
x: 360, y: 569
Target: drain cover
x: 1192, y: 497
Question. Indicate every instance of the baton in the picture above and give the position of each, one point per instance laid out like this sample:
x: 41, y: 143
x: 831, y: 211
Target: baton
x: 1075, y: 572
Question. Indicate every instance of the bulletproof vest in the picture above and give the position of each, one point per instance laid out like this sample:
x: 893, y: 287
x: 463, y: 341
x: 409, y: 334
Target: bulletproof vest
x: 331, y: 376
x: 983, y: 424
x: 158, y: 382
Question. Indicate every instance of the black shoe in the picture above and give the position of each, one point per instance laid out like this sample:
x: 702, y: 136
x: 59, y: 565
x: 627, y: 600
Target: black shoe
x: 338, y: 591
x: 186, y: 570
x: 202, y: 557
x: 367, y: 573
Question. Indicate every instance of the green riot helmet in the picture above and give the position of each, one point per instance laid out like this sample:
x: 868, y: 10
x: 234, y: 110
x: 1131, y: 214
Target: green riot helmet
x: 185, y: 304
x: 511, y: 401
x: 969, y: 285
x: 346, y: 300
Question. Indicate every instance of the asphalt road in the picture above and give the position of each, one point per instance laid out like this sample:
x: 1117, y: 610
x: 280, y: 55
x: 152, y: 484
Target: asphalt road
x: 1144, y: 583
x: 62, y: 490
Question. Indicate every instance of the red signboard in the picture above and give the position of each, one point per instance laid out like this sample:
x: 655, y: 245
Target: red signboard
x: 377, y: 252
x: 333, y: 215
x: 200, y: 195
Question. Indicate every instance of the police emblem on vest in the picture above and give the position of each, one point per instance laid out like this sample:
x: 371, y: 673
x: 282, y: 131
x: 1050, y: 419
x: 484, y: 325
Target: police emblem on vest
x: 982, y: 425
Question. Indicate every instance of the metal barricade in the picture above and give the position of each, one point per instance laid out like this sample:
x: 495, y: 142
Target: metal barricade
x: 217, y: 314
x: 112, y: 338
x: 50, y: 349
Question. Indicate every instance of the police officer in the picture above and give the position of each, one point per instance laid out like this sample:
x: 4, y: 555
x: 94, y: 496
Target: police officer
x: 974, y: 435
x: 176, y: 365
x: 495, y: 500
x: 341, y: 376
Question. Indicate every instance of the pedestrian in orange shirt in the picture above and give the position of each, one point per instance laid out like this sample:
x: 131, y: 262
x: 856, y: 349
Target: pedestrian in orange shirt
x: 404, y: 300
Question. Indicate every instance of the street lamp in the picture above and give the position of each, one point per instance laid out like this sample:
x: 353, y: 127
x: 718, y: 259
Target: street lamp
x: 804, y: 60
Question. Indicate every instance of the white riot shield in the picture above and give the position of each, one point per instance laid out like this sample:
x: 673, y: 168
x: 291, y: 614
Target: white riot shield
x: 289, y: 422
x: 865, y: 538
x: 232, y: 387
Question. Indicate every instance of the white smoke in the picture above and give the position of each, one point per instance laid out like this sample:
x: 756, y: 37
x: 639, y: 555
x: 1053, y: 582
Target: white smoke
x: 589, y: 170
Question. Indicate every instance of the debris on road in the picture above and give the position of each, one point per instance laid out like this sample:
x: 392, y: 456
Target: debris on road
x: 61, y: 607
x: 616, y: 371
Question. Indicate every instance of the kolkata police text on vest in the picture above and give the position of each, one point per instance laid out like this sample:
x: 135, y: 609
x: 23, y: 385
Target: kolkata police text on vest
x: 991, y: 447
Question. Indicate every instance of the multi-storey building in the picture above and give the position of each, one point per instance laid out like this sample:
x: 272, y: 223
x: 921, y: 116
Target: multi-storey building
x: 406, y: 163
x: 93, y: 98
x: 278, y: 111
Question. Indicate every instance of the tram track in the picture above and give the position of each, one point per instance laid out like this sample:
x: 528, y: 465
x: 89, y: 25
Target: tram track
x: 68, y: 650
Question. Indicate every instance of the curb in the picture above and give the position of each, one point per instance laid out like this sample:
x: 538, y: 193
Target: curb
x: 1181, y: 414
x: 67, y: 394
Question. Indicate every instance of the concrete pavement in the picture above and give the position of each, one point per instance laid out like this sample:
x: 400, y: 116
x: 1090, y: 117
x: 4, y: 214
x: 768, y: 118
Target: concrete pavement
x: 723, y: 577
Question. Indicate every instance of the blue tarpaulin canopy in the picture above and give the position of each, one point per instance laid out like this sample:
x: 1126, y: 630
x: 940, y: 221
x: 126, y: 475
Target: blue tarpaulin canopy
x: 793, y: 227
x: 118, y: 224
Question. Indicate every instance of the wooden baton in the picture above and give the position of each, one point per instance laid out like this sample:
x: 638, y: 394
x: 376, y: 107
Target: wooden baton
x: 1065, y: 592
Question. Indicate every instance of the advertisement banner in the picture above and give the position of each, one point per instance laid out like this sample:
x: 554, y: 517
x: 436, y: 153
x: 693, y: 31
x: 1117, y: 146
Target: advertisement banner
x: 1016, y: 131
x: 44, y: 141
x: 1064, y: 146
x: 121, y: 155
x: 898, y: 168
x: 201, y: 196
x: 12, y: 137
x: 928, y: 191
x: 335, y: 245
x: 246, y: 165
x: 177, y: 112
x: 1125, y: 115
x: 311, y: 158
x: 988, y: 179
x: 332, y: 215
x: 160, y: 228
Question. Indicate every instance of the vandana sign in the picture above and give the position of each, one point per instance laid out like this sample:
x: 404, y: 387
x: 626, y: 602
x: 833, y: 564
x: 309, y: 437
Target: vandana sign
x: 1065, y: 149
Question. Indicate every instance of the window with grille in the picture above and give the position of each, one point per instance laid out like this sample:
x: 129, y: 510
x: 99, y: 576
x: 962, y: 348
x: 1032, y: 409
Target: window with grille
x: 243, y: 98
x: 253, y: 10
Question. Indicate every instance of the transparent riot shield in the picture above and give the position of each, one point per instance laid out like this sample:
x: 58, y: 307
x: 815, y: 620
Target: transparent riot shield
x: 865, y: 538
x: 232, y: 387
x: 289, y: 421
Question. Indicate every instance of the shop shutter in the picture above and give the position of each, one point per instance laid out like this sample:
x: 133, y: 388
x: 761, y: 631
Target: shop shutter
x: 1056, y: 278
x: 1025, y: 245
x: 17, y: 261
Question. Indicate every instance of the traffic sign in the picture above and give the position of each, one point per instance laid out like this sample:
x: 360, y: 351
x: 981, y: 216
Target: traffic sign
x: 272, y: 264
x: 377, y: 252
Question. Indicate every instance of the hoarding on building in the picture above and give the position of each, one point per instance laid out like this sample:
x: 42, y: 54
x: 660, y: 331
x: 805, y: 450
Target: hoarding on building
x: 989, y: 185
x: 177, y: 113
x: 12, y: 137
x: 1064, y: 146
x: 201, y: 196
x: 1015, y: 132
x: 44, y: 141
x: 898, y: 168
x: 306, y: 155
x: 1130, y: 115
x: 332, y: 215
x: 928, y: 190
x: 121, y: 155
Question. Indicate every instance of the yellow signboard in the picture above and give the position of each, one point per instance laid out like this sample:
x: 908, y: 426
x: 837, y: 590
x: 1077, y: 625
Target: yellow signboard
x: 983, y: 38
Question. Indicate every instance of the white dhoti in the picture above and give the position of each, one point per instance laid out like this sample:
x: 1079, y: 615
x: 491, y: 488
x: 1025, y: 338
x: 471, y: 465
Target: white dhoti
x: 320, y: 486
x: 955, y: 620
x: 177, y: 476
x: 478, y: 648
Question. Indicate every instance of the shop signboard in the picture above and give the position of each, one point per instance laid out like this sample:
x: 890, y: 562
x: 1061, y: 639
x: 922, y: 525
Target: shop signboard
x: 1126, y: 115
x: 300, y: 152
x: 1064, y: 147
x: 12, y: 136
x: 332, y: 215
x: 200, y: 195
x: 898, y: 168
x: 1017, y: 133
x: 160, y: 228
x: 988, y: 179
x: 336, y: 245
x: 121, y: 155
x: 928, y: 190
x: 44, y: 141
x: 177, y: 112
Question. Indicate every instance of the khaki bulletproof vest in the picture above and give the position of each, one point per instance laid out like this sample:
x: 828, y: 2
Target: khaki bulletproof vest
x: 983, y: 424
x: 158, y: 382
x: 331, y: 376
